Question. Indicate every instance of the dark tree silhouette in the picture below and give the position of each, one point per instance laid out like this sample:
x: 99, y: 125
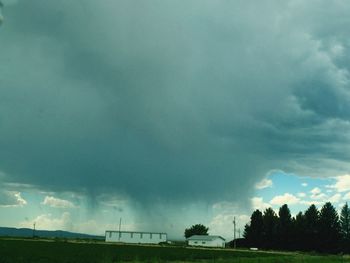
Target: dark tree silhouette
x: 311, y: 238
x: 197, y: 229
x: 313, y: 230
x: 298, y: 232
x: 253, y: 231
x: 269, y: 228
x: 345, y: 222
x: 329, y: 229
x: 284, y: 227
x: 345, y: 227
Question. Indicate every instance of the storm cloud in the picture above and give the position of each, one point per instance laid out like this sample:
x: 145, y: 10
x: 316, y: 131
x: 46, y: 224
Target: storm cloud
x: 171, y: 100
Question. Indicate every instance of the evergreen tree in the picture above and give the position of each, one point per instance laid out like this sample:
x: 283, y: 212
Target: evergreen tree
x: 253, y: 231
x: 284, y: 225
x: 247, y: 233
x: 270, y: 220
x: 329, y: 229
x: 323, y: 231
x: 345, y: 222
x: 298, y: 233
x: 311, y: 238
x: 345, y: 227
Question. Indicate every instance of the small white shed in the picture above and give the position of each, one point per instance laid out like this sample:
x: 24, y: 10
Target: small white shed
x: 206, y: 241
x: 135, y: 237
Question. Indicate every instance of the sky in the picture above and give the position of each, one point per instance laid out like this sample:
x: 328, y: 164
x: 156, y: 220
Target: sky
x: 168, y: 113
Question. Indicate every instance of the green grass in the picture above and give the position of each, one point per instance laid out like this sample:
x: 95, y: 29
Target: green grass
x: 50, y: 251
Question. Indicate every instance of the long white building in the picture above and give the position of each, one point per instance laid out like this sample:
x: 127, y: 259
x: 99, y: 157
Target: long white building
x: 135, y: 237
x: 206, y: 241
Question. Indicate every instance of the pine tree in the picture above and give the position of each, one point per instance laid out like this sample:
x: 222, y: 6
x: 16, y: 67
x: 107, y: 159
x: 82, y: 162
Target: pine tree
x: 329, y: 229
x: 246, y: 232
x: 270, y: 220
x: 345, y: 227
x: 311, y: 232
x: 284, y: 227
x: 345, y: 222
x: 253, y: 231
x: 298, y: 234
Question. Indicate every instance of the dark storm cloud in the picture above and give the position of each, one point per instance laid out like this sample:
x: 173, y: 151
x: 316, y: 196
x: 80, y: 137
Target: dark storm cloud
x: 1, y: 16
x: 170, y: 100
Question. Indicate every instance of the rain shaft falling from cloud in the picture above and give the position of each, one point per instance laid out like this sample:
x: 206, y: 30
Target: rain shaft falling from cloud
x: 172, y: 101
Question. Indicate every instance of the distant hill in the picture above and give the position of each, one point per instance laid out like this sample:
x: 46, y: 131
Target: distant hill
x: 27, y: 232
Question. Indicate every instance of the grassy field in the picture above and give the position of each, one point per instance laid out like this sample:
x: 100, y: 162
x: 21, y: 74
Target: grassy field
x: 50, y: 251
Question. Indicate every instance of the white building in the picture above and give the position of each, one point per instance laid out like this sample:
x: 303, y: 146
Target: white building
x: 206, y: 241
x: 135, y: 237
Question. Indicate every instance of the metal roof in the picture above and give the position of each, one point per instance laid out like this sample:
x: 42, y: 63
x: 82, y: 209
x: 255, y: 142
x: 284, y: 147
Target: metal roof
x: 204, y: 237
x: 135, y: 232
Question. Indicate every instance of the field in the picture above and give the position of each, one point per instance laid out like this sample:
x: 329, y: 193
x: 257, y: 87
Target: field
x: 51, y: 251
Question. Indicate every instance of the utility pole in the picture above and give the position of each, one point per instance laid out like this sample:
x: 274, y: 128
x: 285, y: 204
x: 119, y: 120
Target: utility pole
x: 120, y: 224
x: 234, y: 232
x: 34, y: 229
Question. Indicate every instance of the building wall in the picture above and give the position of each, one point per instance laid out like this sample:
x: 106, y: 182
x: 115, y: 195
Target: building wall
x: 207, y: 243
x: 135, y: 237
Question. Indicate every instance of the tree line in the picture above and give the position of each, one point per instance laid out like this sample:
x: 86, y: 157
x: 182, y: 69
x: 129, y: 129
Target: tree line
x: 314, y: 230
x: 197, y: 229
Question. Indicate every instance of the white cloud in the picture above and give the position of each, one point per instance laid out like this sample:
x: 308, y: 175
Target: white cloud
x: 90, y: 227
x: 47, y: 222
x: 19, y: 199
x: 335, y: 198
x: 342, y: 183
x: 337, y: 50
x: 222, y: 224
x: 316, y: 194
x: 224, y: 213
x: 313, y: 202
x: 11, y: 199
x: 57, y: 203
x: 264, y: 183
x: 65, y: 222
x: 284, y: 199
x: 258, y: 203
x: 321, y: 196
x: 301, y: 195
x: 304, y: 184
x: 346, y: 196
x: 316, y: 191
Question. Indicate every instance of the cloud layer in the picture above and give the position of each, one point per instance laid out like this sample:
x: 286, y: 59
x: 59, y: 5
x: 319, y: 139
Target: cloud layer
x: 11, y: 199
x: 163, y: 100
x: 57, y: 202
